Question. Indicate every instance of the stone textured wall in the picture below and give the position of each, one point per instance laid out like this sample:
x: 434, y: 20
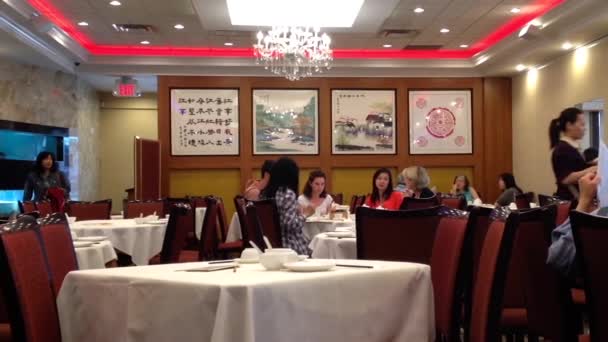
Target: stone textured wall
x: 40, y: 96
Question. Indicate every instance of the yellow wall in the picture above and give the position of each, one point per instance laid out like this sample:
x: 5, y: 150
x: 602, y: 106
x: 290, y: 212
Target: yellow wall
x: 120, y: 121
x: 539, y: 96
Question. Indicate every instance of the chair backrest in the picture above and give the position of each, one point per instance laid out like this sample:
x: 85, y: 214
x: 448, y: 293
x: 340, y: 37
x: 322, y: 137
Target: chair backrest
x: 26, y: 284
x: 396, y: 235
x: 59, y: 248
x: 353, y: 204
x: 254, y: 226
x: 544, y: 200
x: 523, y: 200
x: 222, y: 220
x: 134, y: 209
x: 45, y: 208
x: 447, y: 271
x: 550, y: 310
x: 209, y: 236
x: 98, y: 210
x: 419, y: 203
x: 563, y: 211
x: 27, y: 207
x: 360, y: 201
x: 199, y: 202
x: 240, y: 204
x: 591, y: 238
x: 454, y: 202
x: 338, y: 198
x: 176, y: 233
x: 170, y: 201
x: 490, y: 278
x: 268, y: 215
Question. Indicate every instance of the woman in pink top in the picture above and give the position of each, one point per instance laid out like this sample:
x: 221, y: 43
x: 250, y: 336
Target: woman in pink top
x: 383, y: 196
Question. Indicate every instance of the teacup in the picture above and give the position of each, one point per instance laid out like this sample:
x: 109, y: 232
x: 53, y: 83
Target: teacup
x: 250, y: 254
x: 71, y: 219
x: 273, y: 259
x: 533, y: 205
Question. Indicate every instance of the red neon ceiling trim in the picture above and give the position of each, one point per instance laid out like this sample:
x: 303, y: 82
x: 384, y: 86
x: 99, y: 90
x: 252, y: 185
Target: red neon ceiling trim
x: 534, y: 10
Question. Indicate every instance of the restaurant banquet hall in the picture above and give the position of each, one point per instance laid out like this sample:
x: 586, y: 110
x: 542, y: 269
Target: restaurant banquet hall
x: 303, y: 170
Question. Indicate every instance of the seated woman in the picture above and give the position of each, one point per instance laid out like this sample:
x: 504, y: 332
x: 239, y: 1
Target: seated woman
x: 506, y: 183
x: 383, y: 196
x: 314, y: 195
x: 255, y: 187
x: 417, y: 181
x: 282, y: 187
x: 462, y: 187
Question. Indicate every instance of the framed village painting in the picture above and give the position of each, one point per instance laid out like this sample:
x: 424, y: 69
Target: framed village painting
x: 285, y: 121
x: 363, y: 121
x: 440, y: 122
x: 204, y: 122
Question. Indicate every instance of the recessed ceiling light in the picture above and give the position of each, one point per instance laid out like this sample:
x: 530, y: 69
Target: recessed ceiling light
x: 567, y: 46
x: 228, y: 43
x: 464, y: 46
x: 515, y: 10
x: 335, y: 13
x: 115, y: 3
x: 179, y: 26
x: 144, y: 42
x: 387, y: 45
x: 83, y: 23
x: 520, y: 67
x: 444, y: 30
x: 418, y: 10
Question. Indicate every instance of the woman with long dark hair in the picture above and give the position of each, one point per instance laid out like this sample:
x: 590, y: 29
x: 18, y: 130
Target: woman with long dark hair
x: 569, y: 166
x: 509, y: 188
x: 43, y: 177
x: 314, y: 195
x: 283, y: 187
x: 255, y: 187
x: 383, y: 196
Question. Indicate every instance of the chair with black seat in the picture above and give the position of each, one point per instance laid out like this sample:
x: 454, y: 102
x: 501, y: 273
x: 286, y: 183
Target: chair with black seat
x: 98, y: 210
x: 409, y: 203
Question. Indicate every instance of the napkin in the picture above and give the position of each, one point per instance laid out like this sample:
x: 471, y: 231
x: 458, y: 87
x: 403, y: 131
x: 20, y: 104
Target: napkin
x: 602, y: 169
x: 477, y: 202
x: 513, y: 206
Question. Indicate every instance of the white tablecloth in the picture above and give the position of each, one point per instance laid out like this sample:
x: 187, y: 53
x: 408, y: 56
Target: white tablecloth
x: 95, y: 256
x: 140, y: 241
x: 391, y: 302
x: 324, y: 247
x: 311, y: 228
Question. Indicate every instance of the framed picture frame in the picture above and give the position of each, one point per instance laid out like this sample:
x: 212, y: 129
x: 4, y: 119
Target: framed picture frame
x: 204, y: 122
x: 440, y: 122
x: 364, y: 121
x: 285, y: 121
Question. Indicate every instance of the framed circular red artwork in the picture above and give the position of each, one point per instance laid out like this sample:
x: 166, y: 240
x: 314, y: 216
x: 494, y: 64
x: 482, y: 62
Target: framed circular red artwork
x: 440, y: 122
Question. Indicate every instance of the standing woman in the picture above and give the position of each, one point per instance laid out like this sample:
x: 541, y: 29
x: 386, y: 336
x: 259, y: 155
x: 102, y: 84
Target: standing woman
x: 283, y: 187
x: 569, y: 166
x: 45, y: 176
x: 383, y: 196
x: 314, y: 195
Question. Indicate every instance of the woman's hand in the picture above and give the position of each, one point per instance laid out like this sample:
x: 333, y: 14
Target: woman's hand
x: 587, y: 186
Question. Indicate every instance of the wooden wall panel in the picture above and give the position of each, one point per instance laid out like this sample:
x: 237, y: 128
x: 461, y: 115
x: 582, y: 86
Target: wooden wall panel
x: 490, y: 154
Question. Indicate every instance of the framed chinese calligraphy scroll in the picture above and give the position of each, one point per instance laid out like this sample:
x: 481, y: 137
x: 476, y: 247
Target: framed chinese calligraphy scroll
x: 440, y: 122
x: 285, y: 121
x: 204, y: 122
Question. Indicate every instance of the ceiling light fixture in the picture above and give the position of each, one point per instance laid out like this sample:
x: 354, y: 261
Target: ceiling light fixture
x: 228, y: 44
x: 83, y: 23
x: 464, y: 46
x: 293, y: 52
x: 520, y: 67
x: 418, y: 10
x: 444, y: 30
x: 144, y: 42
x: 115, y: 3
x: 178, y: 26
x: 567, y: 46
x: 515, y: 10
x: 387, y: 45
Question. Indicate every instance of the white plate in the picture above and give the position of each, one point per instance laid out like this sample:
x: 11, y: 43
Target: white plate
x: 247, y: 261
x: 157, y: 222
x: 92, y: 238
x: 345, y: 229
x: 310, y: 265
x: 302, y: 257
x: 81, y: 244
x: 341, y: 234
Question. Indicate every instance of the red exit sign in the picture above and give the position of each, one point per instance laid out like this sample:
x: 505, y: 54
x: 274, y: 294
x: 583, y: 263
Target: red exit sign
x: 127, y: 90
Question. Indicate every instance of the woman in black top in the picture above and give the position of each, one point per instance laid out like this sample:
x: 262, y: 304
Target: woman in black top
x: 44, y: 176
x: 568, y: 162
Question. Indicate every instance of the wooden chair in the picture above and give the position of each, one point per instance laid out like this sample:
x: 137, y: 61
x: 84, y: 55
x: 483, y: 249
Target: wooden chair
x: 27, y: 207
x: 45, y: 208
x: 454, y: 202
x: 98, y: 210
x: 59, y: 248
x: 353, y: 204
x: 523, y: 200
x: 254, y: 225
x: 338, y: 198
x: 544, y: 200
x: 210, y: 246
x: 419, y: 203
x: 175, y: 238
x: 268, y: 216
x: 133, y: 209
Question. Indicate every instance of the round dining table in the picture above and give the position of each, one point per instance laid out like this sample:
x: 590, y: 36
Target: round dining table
x: 99, y: 255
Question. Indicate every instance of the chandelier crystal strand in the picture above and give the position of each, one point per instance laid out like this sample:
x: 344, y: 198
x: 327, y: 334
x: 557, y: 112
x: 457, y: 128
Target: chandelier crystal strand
x: 293, y: 52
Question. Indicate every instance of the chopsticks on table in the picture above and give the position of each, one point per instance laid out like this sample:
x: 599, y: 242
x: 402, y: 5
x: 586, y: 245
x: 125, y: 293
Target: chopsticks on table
x: 354, y: 266
x: 221, y: 261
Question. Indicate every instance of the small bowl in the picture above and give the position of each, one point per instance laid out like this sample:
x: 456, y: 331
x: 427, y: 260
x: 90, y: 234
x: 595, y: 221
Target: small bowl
x: 250, y: 254
x: 274, y: 259
x: 72, y: 219
x: 140, y: 220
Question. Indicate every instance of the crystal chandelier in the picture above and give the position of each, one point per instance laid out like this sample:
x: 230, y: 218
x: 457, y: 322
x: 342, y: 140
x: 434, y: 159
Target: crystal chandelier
x: 293, y: 52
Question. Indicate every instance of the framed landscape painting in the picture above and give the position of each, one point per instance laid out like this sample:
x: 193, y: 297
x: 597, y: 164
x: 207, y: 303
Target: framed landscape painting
x: 285, y: 121
x: 363, y: 121
x: 440, y: 122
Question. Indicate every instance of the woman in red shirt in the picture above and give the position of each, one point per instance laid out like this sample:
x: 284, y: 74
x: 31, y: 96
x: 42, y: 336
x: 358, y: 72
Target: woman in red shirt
x: 383, y: 196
